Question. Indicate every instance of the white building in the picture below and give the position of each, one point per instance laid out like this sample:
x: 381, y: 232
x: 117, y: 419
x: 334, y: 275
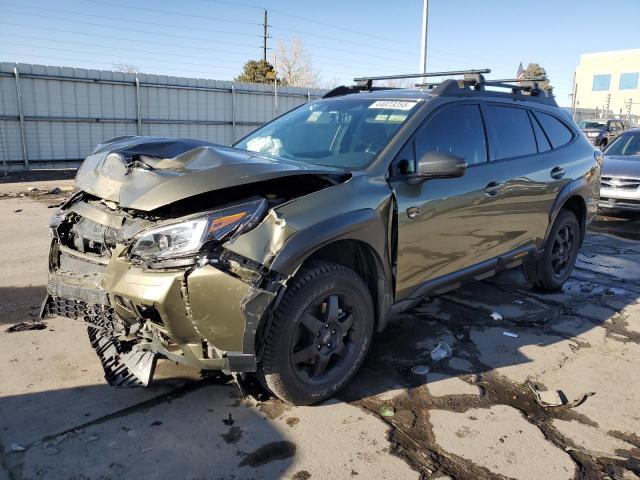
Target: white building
x: 608, y: 81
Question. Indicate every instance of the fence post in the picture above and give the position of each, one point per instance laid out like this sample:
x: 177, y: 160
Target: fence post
x: 21, y: 115
x: 138, y: 113
x: 233, y: 113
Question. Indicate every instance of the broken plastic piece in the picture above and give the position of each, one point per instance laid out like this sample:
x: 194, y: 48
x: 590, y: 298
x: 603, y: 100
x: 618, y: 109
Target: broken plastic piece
x: 17, y: 448
x: 441, y: 351
x: 25, y: 326
x: 387, y: 411
x: 555, y: 398
x: 510, y: 334
x: 496, y: 316
x: 420, y: 369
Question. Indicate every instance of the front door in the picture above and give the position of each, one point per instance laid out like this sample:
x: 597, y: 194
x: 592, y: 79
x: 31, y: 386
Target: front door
x: 445, y: 225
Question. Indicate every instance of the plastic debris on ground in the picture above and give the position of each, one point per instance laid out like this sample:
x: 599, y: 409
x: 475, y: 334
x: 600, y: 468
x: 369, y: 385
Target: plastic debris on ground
x: 420, y: 369
x: 496, y: 316
x: 17, y: 448
x: 510, y: 334
x: 386, y: 411
x: 555, y: 398
x: 25, y: 326
x: 441, y: 351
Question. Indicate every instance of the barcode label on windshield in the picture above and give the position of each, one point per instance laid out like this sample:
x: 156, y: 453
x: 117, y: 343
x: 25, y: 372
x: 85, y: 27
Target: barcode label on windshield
x: 392, y: 104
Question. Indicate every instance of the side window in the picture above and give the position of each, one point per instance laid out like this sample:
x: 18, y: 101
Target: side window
x: 558, y: 133
x: 513, y: 134
x: 457, y: 130
x: 541, y: 138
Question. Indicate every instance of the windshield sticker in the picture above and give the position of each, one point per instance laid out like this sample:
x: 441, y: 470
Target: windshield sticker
x: 397, y: 118
x: 314, y: 116
x: 381, y: 117
x: 392, y: 104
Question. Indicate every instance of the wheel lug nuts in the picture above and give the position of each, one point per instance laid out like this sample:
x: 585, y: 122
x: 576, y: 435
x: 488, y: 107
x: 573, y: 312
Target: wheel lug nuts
x: 326, y: 325
x: 328, y: 345
x: 333, y: 332
x: 319, y: 347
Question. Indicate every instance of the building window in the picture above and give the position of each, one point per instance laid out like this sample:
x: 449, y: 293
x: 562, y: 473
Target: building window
x: 628, y: 81
x: 601, y: 82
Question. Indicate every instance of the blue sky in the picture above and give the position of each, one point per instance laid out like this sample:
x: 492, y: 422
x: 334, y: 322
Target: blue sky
x: 347, y: 38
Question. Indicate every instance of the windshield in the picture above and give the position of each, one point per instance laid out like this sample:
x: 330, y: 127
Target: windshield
x: 590, y: 124
x: 625, y: 144
x: 346, y: 133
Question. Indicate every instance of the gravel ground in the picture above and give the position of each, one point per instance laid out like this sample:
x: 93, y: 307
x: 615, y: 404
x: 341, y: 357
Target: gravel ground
x: 475, y: 415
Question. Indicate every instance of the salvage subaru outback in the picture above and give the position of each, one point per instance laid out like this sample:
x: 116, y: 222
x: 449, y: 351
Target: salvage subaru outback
x: 277, y: 259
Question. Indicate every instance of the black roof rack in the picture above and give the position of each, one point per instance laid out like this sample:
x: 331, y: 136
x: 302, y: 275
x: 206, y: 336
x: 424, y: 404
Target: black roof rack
x: 473, y: 81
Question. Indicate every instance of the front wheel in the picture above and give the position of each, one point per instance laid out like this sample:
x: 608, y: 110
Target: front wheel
x: 320, y: 334
x: 560, y: 254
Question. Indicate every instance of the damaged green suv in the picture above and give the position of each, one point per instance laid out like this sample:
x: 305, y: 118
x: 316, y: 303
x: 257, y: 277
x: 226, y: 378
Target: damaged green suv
x: 277, y: 259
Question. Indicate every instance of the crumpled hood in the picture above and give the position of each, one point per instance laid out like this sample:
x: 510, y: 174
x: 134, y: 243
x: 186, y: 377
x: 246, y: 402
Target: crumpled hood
x: 194, y: 167
x: 621, y: 166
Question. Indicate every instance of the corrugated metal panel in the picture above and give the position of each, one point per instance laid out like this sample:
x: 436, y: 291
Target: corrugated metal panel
x: 67, y: 111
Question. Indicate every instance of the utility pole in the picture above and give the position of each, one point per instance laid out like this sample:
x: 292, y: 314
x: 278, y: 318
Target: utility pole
x: 574, y: 100
x: 423, y: 46
x: 265, y: 35
x: 608, y: 103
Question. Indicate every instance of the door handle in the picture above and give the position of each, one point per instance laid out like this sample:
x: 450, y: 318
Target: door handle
x: 492, y: 188
x: 557, y: 172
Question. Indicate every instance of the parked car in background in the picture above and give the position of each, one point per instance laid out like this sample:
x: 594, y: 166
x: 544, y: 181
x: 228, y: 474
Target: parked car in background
x: 602, y: 132
x: 620, y: 181
x: 278, y: 258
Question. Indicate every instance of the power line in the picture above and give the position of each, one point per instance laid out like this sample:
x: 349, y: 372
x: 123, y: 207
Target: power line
x: 120, y: 19
x: 173, y: 12
x: 135, y: 40
x: 162, y: 34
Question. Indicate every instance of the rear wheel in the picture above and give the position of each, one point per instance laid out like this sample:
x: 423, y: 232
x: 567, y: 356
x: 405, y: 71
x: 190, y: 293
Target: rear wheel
x: 560, y: 254
x: 320, y: 334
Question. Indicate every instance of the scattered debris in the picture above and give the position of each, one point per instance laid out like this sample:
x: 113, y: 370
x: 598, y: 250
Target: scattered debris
x: 519, y: 302
x: 441, y: 351
x: 17, y: 448
x: 156, y: 423
x: 17, y: 210
x: 293, y: 421
x: 55, y: 191
x: 556, y: 398
x: 387, y: 412
x: 32, y: 189
x: 228, y: 421
x: 420, y: 369
x: 496, y: 316
x: 548, y: 398
x: 25, y: 326
x: 510, y: 334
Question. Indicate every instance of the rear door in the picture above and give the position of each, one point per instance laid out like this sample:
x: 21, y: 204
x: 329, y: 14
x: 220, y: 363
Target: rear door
x: 530, y: 171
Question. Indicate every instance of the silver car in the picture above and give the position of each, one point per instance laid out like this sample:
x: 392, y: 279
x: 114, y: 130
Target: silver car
x: 620, y: 187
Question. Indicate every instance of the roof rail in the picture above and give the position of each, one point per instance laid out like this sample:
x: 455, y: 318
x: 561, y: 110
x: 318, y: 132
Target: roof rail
x: 520, y: 89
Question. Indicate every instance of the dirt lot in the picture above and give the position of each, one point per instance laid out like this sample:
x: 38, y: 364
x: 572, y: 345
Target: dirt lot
x: 471, y: 416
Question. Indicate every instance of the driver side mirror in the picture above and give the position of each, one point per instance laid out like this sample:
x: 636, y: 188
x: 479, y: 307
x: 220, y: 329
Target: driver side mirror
x: 437, y: 165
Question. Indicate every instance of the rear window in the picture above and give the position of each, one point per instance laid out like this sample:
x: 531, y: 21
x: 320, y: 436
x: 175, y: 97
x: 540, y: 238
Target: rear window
x: 541, y: 138
x: 557, y: 132
x: 513, y: 135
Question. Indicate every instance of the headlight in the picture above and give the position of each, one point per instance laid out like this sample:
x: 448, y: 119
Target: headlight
x: 186, y: 237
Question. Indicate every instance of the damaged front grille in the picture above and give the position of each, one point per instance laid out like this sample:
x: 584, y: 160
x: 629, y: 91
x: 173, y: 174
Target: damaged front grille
x: 123, y: 365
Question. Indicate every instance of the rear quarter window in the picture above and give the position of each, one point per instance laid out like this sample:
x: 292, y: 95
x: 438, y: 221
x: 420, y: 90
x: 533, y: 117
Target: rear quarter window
x: 557, y: 132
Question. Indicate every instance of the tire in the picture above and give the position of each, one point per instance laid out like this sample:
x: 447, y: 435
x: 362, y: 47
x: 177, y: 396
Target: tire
x: 560, y: 254
x: 603, y: 144
x: 319, y: 336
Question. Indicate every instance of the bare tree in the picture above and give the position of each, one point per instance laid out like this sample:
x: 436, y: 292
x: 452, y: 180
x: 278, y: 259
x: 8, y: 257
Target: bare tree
x: 125, y: 68
x: 293, y: 64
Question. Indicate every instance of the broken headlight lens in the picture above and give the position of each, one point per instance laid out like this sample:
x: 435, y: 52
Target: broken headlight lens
x: 186, y: 237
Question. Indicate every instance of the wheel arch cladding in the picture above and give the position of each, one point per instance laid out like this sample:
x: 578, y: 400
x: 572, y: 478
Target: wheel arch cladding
x: 571, y: 197
x: 357, y: 240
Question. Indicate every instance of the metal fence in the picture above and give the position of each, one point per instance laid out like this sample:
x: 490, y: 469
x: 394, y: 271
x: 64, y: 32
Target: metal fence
x: 51, y: 117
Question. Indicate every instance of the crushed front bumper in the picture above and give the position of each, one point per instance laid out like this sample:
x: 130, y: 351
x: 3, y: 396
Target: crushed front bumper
x: 200, y: 316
